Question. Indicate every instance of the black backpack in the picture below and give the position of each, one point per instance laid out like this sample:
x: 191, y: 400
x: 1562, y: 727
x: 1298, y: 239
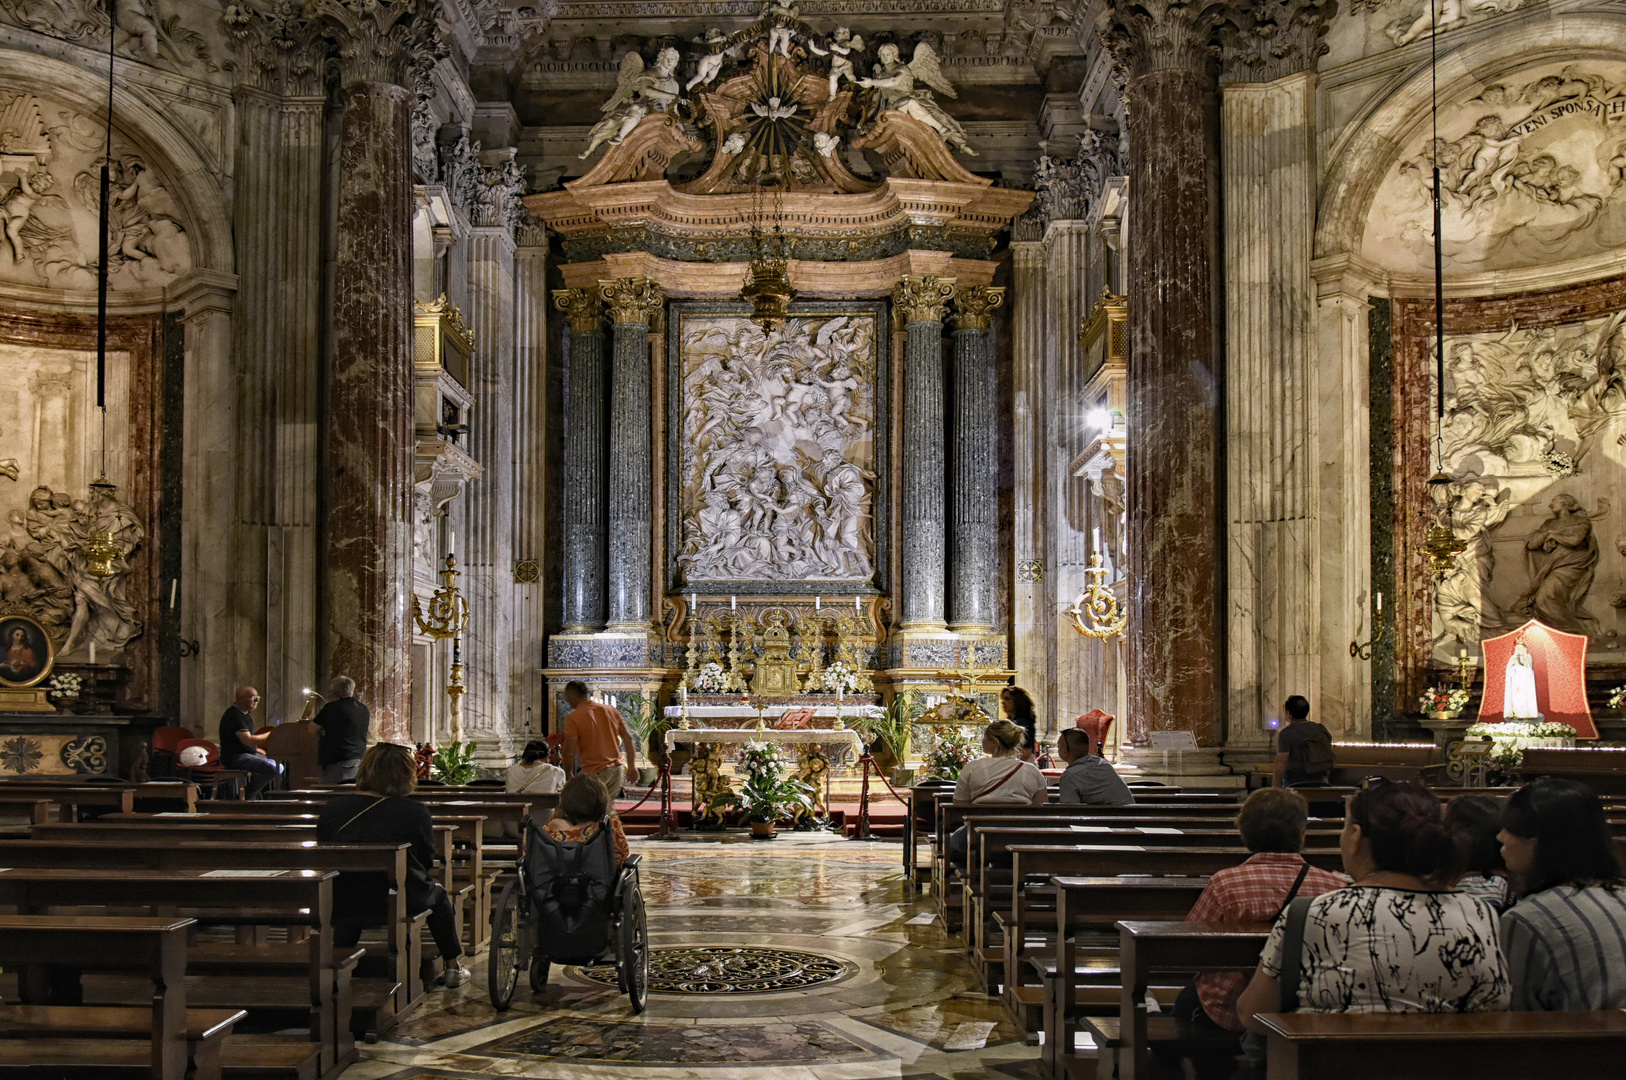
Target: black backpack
x: 570, y: 893
x: 1318, y: 754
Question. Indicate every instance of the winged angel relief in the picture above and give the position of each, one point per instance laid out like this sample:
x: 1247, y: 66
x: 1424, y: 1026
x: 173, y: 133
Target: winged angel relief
x: 638, y: 92
x: 778, y: 442
x: 894, y: 83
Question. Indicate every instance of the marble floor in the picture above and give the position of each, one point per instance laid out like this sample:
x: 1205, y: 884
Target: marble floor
x: 903, y: 1003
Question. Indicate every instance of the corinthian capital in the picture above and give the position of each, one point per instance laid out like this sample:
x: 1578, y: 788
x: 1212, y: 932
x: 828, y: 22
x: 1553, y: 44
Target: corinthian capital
x: 922, y: 298
x: 583, y: 309
x: 1266, y: 40
x: 1160, y: 35
x: 974, y: 305
x: 278, y: 47
x: 382, y: 41
x: 633, y: 300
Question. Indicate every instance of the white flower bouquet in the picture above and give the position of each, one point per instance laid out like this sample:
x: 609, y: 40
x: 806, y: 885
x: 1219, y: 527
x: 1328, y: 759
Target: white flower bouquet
x: 712, y: 678
x: 840, y: 678
x: 65, y: 685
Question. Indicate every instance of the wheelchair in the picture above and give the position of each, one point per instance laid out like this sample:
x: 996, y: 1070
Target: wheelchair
x: 518, y: 936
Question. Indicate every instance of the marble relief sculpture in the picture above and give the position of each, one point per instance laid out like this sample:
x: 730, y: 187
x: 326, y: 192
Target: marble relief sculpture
x: 777, y: 458
x: 638, y: 93
x: 1562, y: 556
x: 895, y: 86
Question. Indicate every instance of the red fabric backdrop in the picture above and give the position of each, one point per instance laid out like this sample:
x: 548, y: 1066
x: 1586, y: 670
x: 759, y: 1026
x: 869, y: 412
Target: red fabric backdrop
x: 1560, y: 662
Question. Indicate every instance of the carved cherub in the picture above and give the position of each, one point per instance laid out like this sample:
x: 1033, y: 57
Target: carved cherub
x: 18, y: 206
x: 782, y: 19
x: 826, y: 143
x: 894, y: 86
x: 637, y: 94
x: 844, y: 46
x: 716, y: 43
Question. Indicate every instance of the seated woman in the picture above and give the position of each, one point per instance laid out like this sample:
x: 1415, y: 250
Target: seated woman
x: 1565, y: 937
x: 1478, y: 821
x: 380, y: 813
x: 532, y: 774
x: 1001, y: 778
x: 1399, y: 939
x: 583, y: 806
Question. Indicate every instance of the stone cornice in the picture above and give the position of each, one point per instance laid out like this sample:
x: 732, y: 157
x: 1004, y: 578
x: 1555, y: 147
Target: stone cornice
x: 1161, y: 35
x: 1266, y: 40
x: 632, y: 300
x: 922, y: 298
x: 871, y: 280
x: 382, y: 41
x: 974, y: 305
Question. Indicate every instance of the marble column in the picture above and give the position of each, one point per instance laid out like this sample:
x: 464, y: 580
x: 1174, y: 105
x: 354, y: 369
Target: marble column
x: 489, y: 502
x: 921, y: 302
x: 535, y: 539
x: 585, y: 464
x: 635, y: 305
x: 1032, y: 624
x: 368, y: 569
x: 974, y: 541
x: 1175, y: 635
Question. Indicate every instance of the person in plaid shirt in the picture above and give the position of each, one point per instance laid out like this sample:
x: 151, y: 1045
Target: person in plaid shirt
x: 1272, y: 821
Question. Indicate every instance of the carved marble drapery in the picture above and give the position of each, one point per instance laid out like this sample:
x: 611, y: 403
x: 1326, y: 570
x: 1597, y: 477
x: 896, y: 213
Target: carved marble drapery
x: 1174, y: 378
x: 973, y: 543
x: 634, y: 305
x: 585, y: 460
x: 921, y: 303
x: 370, y: 434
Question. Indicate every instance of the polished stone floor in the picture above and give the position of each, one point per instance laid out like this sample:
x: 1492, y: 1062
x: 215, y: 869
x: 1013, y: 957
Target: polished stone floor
x: 905, y: 1006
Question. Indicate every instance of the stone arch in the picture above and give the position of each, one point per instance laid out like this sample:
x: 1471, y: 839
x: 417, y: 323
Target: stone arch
x: 193, y: 183
x: 1378, y: 135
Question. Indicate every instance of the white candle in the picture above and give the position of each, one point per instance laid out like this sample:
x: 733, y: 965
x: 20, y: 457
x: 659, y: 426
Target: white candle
x: 733, y: 603
x: 694, y: 601
x: 1380, y: 603
x: 1463, y: 652
x: 855, y: 603
x: 92, y: 652
x: 1098, y: 539
x: 684, y: 691
x: 818, y: 602
x: 174, y: 583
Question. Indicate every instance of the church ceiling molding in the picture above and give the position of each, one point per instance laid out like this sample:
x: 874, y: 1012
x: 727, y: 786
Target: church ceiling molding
x: 776, y: 123
x: 1393, y: 129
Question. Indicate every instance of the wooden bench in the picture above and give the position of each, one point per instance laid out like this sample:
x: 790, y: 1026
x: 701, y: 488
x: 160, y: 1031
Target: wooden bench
x: 384, y: 989
x: 57, y: 1036
x: 118, y: 797
x: 26, y: 808
x: 1445, y: 1046
x: 288, y: 898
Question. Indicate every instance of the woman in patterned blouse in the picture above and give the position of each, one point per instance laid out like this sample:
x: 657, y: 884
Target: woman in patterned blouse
x: 1398, y: 940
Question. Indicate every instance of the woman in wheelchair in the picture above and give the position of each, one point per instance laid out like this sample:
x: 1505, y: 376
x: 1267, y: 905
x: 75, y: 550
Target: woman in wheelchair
x: 380, y: 813
x: 583, y: 806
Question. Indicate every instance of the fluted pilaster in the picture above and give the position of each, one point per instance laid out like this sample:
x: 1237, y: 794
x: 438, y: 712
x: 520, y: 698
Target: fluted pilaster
x: 489, y: 502
x: 634, y: 305
x: 585, y: 460
x: 921, y: 303
x: 974, y: 541
x: 1032, y: 625
x: 535, y: 539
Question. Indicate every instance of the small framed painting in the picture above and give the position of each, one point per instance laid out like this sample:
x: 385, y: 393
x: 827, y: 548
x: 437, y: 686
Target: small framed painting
x: 26, y: 652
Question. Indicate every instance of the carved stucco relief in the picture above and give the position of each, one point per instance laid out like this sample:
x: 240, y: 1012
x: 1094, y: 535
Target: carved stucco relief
x: 1535, y: 438
x: 1533, y: 172
x: 777, y: 450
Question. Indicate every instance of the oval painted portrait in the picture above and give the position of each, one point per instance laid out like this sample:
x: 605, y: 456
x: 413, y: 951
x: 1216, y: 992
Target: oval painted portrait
x: 26, y: 652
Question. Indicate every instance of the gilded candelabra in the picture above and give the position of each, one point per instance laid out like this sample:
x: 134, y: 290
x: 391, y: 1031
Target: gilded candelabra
x: 1097, y: 605
x: 1465, y: 670
x: 1362, y: 650
x: 448, y: 617
x: 101, y: 548
x: 1442, y: 548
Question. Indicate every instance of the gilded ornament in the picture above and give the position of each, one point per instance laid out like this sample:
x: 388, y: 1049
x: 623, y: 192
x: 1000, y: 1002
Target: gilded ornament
x: 583, y: 309
x: 922, y: 298
x: 633, y: 300
x: 1095, y: 613
x: 974, y: 305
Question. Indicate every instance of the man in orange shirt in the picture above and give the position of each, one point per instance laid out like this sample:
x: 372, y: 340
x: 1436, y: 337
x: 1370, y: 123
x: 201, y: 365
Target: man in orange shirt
x: 592, y: 730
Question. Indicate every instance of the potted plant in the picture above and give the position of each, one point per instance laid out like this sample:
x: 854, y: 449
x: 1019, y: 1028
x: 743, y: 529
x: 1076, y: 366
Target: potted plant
x: 453, y: 764
x: 886, y: 735
x: 64, y: 688
x: 767, y: 795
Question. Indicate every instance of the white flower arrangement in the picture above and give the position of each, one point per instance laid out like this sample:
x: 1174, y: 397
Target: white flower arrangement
x: 65, y: 685
x: 840, y: 677
x: 1443, y: 699
x: 1616, y: 696
x: 1518, y: 729
x: 712, y: 678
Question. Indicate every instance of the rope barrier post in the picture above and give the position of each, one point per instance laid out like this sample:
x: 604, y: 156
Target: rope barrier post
x: 863, y: 801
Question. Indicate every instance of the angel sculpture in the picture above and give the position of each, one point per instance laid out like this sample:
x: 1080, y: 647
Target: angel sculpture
x: 844, y: 45
x: 783, y: 20
x: 775, y: 109
x: 637, y: 94
x: 894, y: 86
x: 716, y: 43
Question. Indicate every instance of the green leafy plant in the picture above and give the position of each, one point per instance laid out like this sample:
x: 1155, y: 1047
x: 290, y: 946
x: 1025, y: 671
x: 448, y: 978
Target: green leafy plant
x: 454, y: 763
x: 892, y: 726
x: 767, y: 793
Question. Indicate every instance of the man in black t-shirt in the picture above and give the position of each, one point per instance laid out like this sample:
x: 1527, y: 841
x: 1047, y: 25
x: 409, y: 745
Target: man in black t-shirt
x: 343, y: 723
x: 243, y: 750
x: 1293, y: 767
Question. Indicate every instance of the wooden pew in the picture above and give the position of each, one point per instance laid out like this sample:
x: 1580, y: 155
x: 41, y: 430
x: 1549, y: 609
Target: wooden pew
x: 116, y: 797
x: 1603, y: 769
x: 26, y: 808
x: 106, y: 1037
x: 382, y: 992
x: 1445, y: 1046
x: 291, y: 898
x: 1181, y: 949
x: 148, y: 947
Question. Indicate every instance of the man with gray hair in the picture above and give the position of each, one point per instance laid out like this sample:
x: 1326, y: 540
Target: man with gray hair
x: 343, y: 723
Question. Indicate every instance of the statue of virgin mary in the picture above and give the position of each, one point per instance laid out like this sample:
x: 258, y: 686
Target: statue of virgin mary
x: 1519, y: 687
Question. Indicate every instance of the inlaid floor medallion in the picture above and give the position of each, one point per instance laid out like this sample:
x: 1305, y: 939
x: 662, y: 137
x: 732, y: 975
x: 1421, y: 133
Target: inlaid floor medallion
x: 727, y: 970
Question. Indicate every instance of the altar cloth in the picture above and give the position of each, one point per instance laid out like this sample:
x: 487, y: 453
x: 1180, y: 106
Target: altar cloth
x: 736, y: 736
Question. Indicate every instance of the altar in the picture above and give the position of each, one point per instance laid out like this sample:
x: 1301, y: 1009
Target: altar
x: 813, y: 764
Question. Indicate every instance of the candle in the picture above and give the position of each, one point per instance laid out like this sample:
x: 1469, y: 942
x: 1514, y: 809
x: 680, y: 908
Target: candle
x: 733, y: 603
x: 174, y: 583
x: 1463, y: 652
x: 855, y: 603
x: 684, y: 691
x: 1380, y: 603
x: 1098, y: 539
x: 92, y: 652
x: 818, y: 602
x: 694, y: 601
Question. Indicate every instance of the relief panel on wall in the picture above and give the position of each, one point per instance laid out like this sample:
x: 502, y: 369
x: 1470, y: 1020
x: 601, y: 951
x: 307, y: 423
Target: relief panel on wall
x: 776, y: 443
x: 1535, y: 439
x: 1532, y: 169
